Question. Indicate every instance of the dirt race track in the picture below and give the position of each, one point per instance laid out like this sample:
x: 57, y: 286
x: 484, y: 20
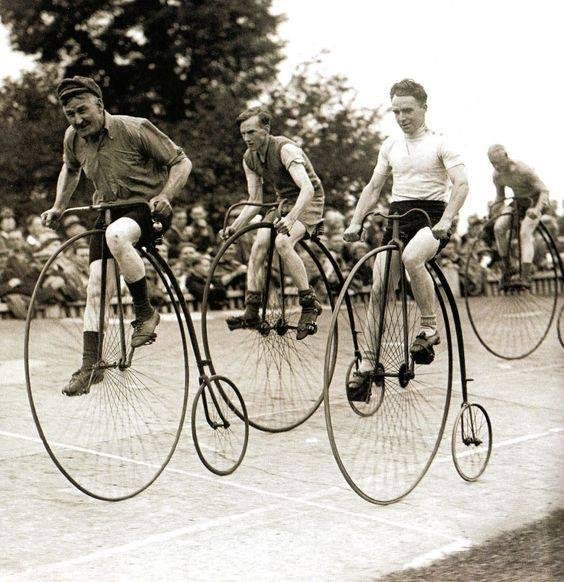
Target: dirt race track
x: 286, y: 513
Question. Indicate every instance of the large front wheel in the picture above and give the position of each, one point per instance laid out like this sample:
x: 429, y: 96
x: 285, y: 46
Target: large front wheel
x: 385, y: 435
x: 113, y: 440
x: 279, y: 375
x: 510, y: 320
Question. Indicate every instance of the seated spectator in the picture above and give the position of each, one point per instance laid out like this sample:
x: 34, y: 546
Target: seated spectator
x: 187, y: 255
x: 199, y: 231
x: 196, y: 282
x: 7, y: 223
x: 333, y: 222
x: 71, y: 226
x: 177, y: 233
x: 35, y: 229
x: 17, y: 279
x: 358, y: 250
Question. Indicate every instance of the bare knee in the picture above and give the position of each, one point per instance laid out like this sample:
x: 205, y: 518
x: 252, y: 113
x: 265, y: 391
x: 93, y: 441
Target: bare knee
x: 122, y: 234
x: 501, y: 226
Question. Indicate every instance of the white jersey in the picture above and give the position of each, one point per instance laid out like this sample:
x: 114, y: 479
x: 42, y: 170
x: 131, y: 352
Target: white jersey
x: 418, y: 165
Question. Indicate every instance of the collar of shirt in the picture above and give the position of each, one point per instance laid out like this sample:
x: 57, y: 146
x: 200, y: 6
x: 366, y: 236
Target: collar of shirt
x: 261, y: 152
x: 418, y: 134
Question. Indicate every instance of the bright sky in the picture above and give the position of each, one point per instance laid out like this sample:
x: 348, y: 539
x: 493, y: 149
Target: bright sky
x: 492, y: 69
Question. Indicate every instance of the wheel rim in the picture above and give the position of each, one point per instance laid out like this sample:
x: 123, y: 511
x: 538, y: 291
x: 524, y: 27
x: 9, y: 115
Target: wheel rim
x: 279, y: 376
x: 471, y: 441
x: 114, y: 441
x: 221, y: 435
x: 384, y: 455
x: 512, y: 322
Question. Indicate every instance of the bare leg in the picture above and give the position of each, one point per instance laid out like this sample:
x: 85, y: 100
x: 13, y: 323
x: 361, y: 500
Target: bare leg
x: 292, y: 261
x: 528, y: 226
x: 375, y: 303
x: 420, y: 249
x: 255, y: 271
x: 93, y: 294
x: 501, y: 232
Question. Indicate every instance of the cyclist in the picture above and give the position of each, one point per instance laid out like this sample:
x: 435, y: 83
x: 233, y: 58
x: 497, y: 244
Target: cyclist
x: 283, y: 163
x: 422, y: 164
x: 530, y: 198
x: 127, y: 158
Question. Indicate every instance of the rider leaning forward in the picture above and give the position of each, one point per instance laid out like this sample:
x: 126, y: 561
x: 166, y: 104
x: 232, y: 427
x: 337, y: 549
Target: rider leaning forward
x: 530, y: 196
x: 281, y: 162
x: 127, y: 158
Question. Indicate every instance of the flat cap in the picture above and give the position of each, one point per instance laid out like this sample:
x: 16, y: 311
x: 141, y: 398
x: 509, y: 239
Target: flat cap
x: 70, y: 87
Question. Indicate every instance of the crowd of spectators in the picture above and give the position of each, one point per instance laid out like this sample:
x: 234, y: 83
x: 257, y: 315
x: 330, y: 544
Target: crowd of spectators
x: 191, y: 244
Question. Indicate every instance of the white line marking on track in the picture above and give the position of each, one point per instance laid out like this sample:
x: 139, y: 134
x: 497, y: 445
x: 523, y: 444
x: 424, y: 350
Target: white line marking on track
x: 455, y: 544
x: 147, y: 541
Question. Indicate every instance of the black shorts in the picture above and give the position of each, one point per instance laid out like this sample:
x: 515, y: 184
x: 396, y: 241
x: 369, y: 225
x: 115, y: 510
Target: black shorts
x: 413, y: 223
x: 141, y: 215
x: 522, y: 204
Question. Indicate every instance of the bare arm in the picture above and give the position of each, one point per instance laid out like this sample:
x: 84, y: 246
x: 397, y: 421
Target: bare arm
x: 458, y: 195
x: 302, y: 181
x: 177, y: 178
x: 542, y: 202
x: 254, y: 188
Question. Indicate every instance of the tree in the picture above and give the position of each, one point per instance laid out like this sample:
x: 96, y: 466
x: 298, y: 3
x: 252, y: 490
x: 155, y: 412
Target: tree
x: 341, y: 139
x: 31, y: 127
x: 160, y: 58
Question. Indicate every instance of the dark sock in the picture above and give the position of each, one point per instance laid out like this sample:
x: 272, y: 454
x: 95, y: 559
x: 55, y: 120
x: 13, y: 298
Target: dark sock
x: 140, y: 296
x: 90, y: 348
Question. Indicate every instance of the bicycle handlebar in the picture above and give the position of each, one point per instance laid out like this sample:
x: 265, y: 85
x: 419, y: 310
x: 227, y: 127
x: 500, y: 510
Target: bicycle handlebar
x: 157, y: 224
x: 280, y: 205
x: 393, y: 217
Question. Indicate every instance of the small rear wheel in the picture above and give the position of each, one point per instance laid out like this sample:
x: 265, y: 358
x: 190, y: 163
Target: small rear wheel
x: 220, y: 426
x: 471, y: 442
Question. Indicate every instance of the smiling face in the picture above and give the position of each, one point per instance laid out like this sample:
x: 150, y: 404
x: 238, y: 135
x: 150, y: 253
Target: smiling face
x: 85, y: 112
x: 409, y: 113
x: 254, y: 134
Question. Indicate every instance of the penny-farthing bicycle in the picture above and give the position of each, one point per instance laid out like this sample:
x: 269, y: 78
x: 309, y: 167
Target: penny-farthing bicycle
x: 113, y: 441
x: 512, y: 320
x: 279, y: 375
x: 384, y: 442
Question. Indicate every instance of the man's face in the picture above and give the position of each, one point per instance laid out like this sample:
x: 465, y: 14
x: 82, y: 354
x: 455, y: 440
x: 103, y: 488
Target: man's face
x: 8, y: 224
x: 36, y: 226
x: 253, y: 133
x: 409, y: 113
x: 188, y: 255
x: 180, y: 219
x: 85, y: 113
x: 82, y: 254
x: 198, y: 213
x: 499, y: 160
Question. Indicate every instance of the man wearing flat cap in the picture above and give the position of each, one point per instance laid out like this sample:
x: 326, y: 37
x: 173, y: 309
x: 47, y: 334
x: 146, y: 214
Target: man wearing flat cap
x: 127, y: 158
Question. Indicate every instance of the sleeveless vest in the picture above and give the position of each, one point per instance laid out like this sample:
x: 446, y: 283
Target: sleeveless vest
x: 274, y: 171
